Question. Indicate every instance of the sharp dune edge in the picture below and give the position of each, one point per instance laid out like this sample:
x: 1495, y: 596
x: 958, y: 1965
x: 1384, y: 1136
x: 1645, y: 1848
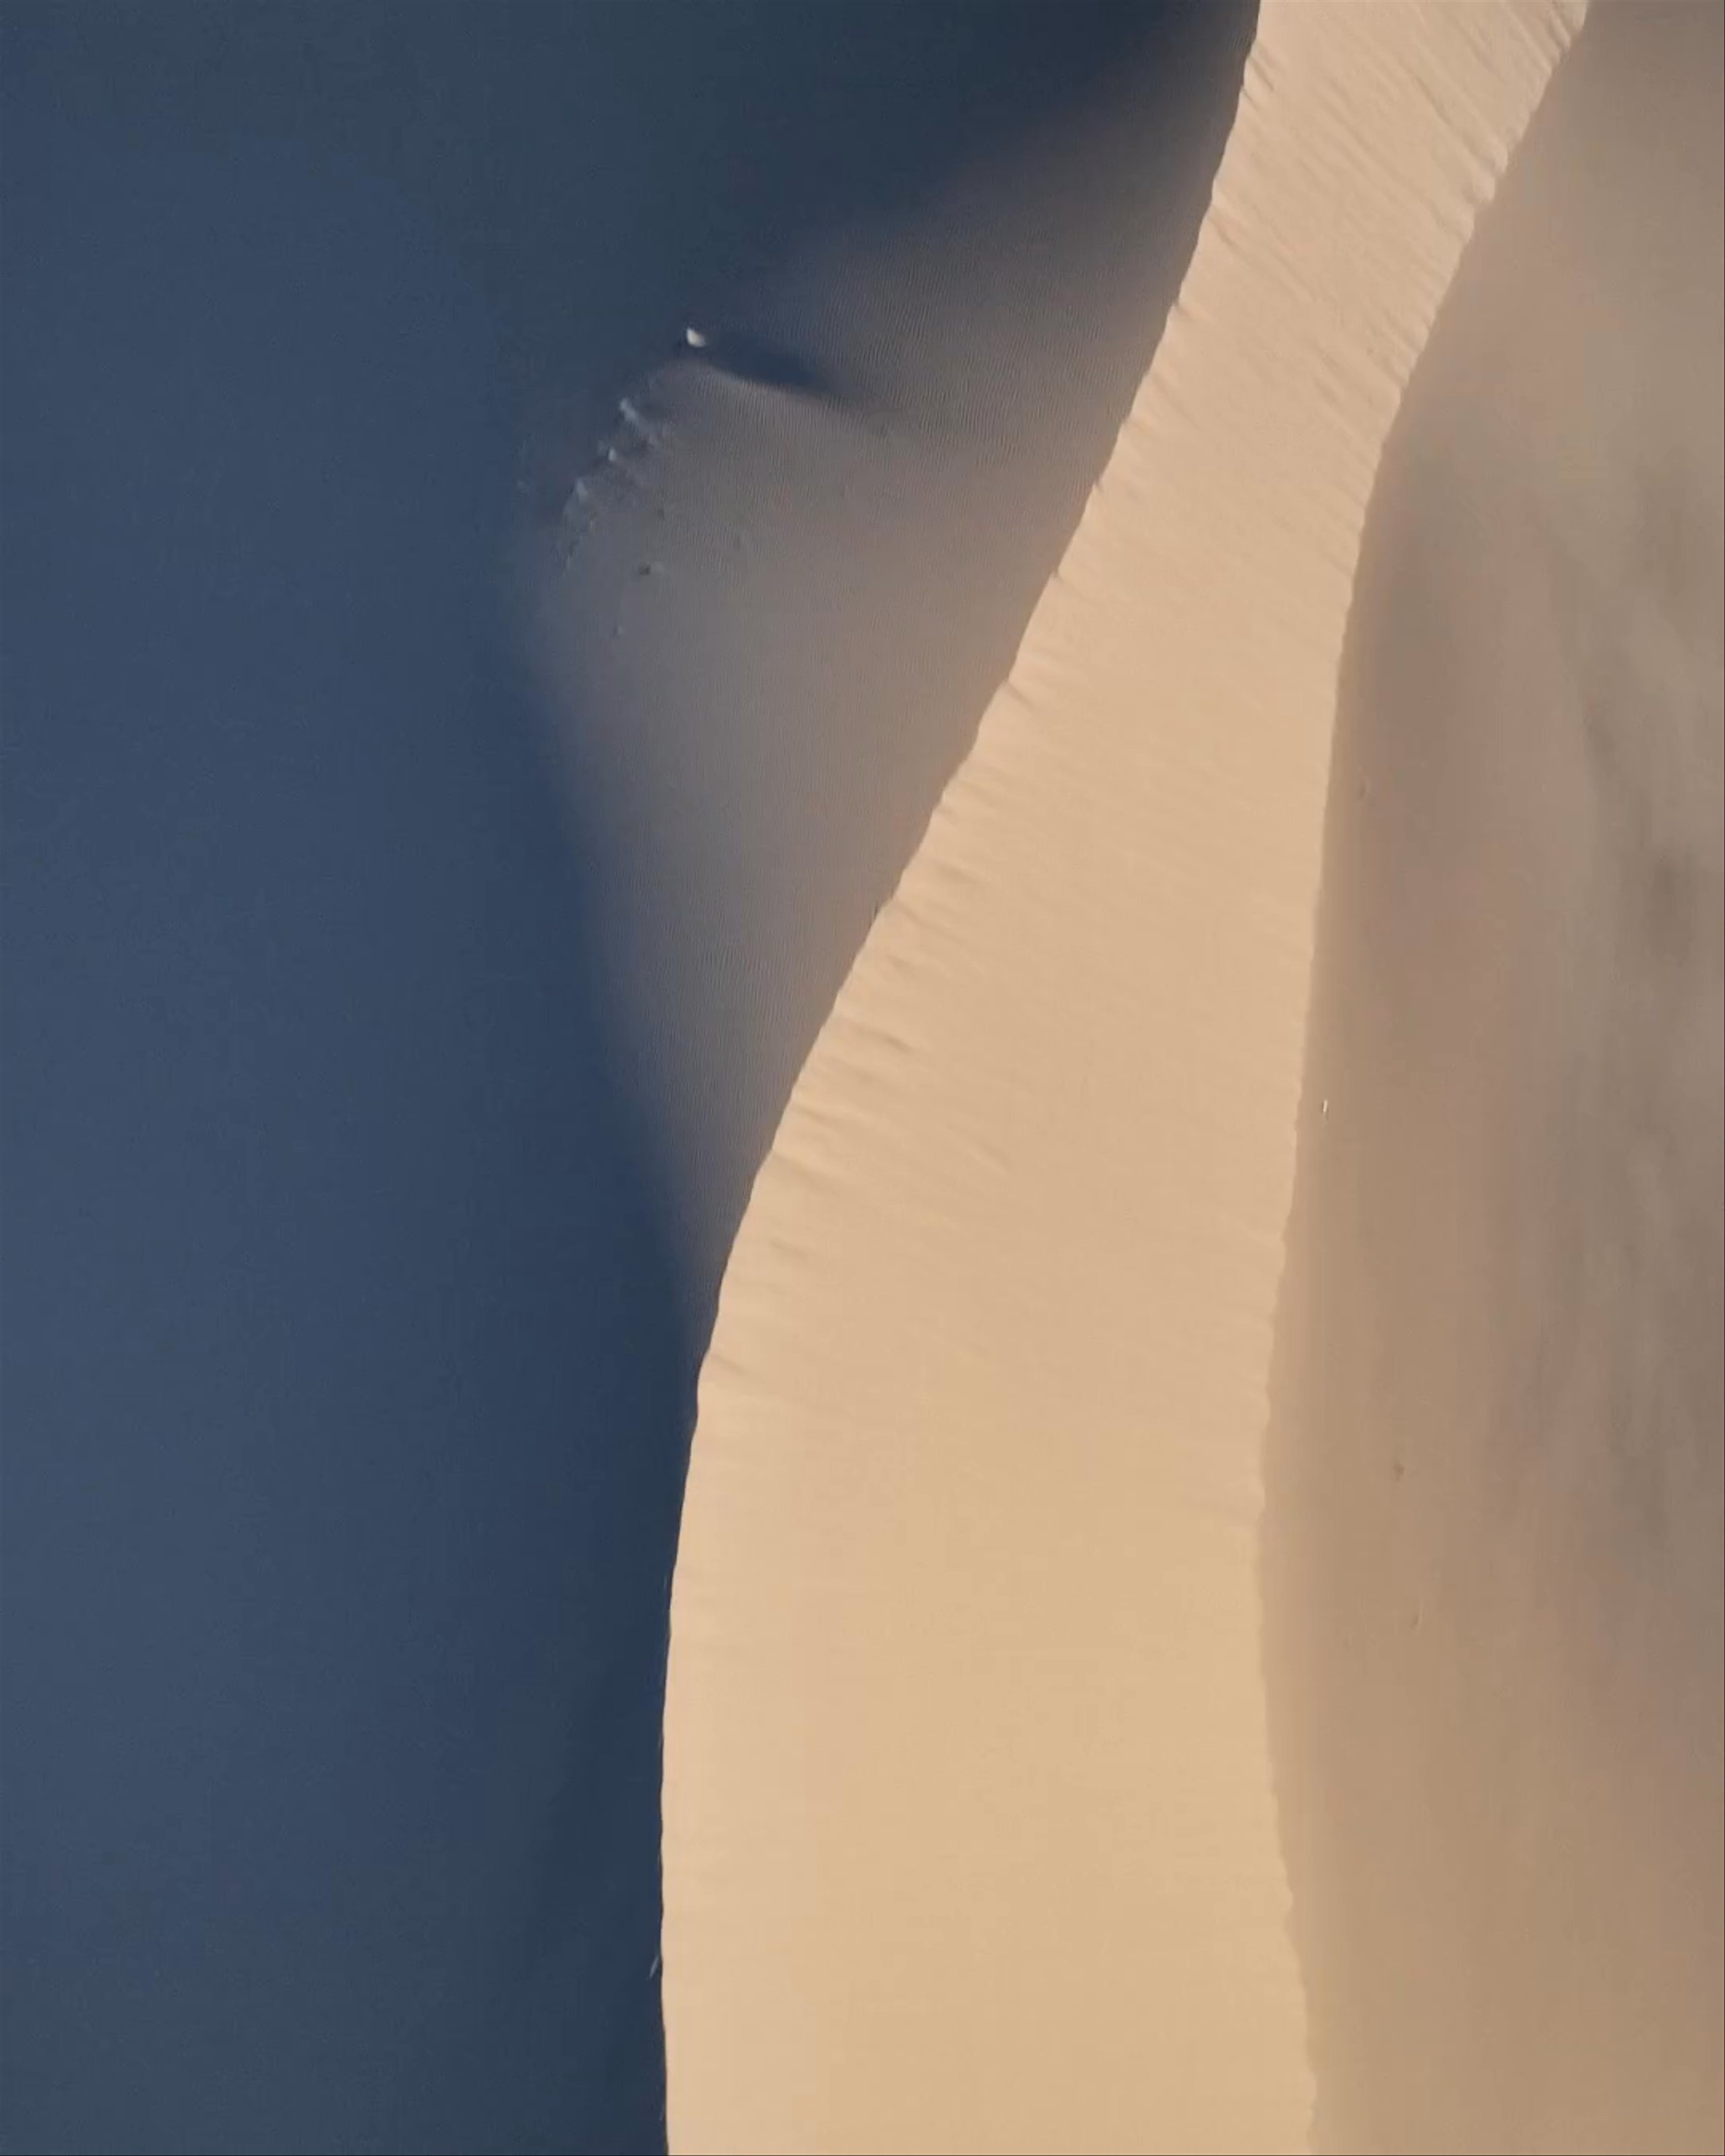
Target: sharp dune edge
x: 970, y: 1835
x: 767, y: 633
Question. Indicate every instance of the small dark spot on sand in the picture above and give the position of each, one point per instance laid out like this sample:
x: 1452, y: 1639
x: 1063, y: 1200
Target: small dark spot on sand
x: 1671, y: 905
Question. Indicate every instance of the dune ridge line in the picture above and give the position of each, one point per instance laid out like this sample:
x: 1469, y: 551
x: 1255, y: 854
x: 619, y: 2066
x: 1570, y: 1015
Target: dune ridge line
x: 970, y: 1830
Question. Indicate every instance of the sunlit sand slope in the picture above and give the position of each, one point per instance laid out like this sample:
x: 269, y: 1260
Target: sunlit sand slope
x: 971, y: 1838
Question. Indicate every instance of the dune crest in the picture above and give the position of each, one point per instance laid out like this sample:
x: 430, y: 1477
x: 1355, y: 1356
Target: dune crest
x: 970, y: 1835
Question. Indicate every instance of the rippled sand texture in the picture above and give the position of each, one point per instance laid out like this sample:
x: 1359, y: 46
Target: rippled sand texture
x: 1495, y: 1539
x: 971, y: 1838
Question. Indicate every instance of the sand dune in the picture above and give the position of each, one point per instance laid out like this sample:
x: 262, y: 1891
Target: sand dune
x: 1200, y: 1618
x: 1495, y: 1525
x: 971, y: 1831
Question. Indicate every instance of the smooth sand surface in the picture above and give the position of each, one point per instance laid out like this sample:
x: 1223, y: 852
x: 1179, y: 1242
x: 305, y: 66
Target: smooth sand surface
x: 971, y: 1836
x: 1495, y: 1530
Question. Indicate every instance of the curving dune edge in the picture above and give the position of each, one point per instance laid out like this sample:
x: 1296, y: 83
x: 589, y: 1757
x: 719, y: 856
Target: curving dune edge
x: 971, y: 1838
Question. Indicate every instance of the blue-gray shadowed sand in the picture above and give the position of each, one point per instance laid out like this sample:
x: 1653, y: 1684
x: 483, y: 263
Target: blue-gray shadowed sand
x: 772, y: 366
x: 346, y: 1381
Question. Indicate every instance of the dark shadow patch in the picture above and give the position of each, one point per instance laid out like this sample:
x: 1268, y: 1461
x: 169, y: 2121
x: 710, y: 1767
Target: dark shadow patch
x: 766, y: 364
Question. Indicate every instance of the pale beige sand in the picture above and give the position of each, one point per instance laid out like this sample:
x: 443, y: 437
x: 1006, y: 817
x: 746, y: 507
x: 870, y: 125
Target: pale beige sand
x: 971, y: 1841
x: 1495, y: 1516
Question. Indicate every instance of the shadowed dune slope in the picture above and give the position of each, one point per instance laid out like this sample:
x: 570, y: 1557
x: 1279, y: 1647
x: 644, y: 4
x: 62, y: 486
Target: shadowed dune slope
x: 770, y: 609
x: 347, y: 1377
